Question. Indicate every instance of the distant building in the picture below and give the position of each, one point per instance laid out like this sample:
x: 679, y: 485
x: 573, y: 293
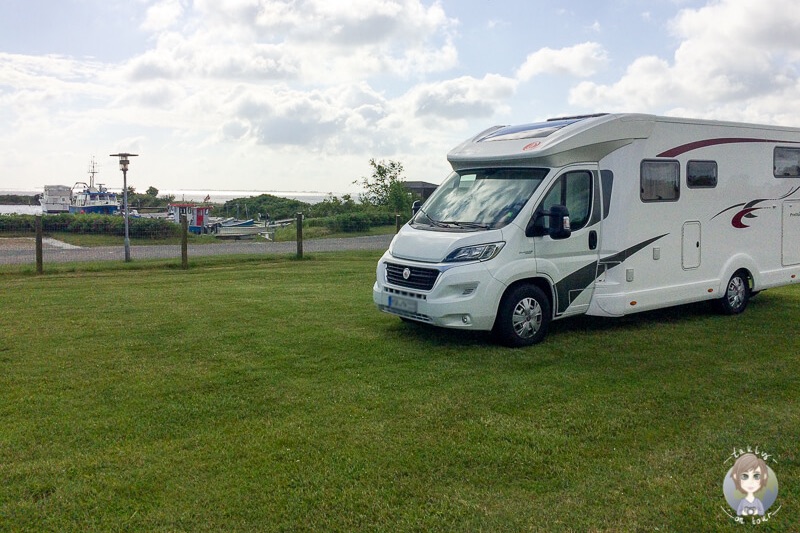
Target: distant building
x: 196, y: 215
x: 420, y: 188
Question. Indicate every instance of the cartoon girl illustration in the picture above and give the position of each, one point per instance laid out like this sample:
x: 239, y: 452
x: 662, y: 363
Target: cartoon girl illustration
x: 749, y: 474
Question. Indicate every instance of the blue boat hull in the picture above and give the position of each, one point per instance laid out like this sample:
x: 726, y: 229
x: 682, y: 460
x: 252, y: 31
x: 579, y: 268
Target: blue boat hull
x: 93, y: 209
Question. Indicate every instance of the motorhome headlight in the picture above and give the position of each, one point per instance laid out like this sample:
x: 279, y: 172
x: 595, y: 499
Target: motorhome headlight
x: 478, y: 252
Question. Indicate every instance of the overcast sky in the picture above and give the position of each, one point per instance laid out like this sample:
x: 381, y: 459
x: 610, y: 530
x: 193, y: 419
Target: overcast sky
x: 299, y: 95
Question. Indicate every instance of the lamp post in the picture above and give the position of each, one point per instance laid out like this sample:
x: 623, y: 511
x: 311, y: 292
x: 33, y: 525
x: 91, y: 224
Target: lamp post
x: 123, y: 166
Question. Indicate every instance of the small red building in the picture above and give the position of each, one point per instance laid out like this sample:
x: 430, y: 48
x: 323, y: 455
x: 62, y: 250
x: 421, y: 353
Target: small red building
x: 196, y: 215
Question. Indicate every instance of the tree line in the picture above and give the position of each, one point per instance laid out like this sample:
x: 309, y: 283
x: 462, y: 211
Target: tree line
x: 384, y: 196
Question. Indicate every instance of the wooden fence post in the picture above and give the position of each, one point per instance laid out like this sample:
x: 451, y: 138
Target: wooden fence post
x: 299, y: 235
x: 39, y: 262
x: 398, y: 222
x: 184, y: 242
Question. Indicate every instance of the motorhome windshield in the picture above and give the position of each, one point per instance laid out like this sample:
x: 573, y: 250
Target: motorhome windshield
x: 482, y: 199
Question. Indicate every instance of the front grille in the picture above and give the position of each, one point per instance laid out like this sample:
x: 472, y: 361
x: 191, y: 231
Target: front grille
x: 407, y: 294
x: 420, y: 278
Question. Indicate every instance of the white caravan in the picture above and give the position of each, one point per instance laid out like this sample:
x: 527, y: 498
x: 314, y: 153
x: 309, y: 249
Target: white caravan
x: 602, y: 215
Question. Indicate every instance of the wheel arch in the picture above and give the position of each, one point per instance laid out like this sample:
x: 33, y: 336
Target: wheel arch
x: 542, y: 283
x: 740, y: 263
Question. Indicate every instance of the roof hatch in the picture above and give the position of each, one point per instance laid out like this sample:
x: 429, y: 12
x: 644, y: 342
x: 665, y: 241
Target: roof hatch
x: 536, y: 130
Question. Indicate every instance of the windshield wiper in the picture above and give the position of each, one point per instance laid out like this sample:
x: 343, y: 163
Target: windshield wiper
x: 451, y: 224
x: 433, y: 222
x: 473, y: 225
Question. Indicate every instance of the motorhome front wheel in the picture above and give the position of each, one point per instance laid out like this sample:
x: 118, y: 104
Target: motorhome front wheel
x: 523, y: 317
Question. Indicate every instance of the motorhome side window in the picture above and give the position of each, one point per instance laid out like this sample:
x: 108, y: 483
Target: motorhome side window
x: 573, y: 190
x: 660, y: 181
x: 701, y: 174
x: 786, y: 162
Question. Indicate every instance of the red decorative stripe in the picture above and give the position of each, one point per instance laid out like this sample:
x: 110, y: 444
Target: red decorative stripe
x: 682, y: 149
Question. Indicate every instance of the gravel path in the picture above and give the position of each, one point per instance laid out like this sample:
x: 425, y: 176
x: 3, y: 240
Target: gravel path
x: 23, y: 250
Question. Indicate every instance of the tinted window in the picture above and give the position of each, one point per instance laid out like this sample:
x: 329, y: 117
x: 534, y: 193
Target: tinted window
x: 607, y: 177
x: 660, y: 181
x: 786, y: 163
x: 701, y: 174
x: 573, y: 190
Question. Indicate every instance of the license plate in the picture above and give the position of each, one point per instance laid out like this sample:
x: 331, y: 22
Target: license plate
x: 403, y: 304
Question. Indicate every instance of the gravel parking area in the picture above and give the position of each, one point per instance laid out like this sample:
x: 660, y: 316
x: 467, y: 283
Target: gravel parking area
x: 23, y: 250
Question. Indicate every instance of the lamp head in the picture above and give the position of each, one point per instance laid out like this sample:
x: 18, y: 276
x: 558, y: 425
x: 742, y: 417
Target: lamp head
x: 123, y: 160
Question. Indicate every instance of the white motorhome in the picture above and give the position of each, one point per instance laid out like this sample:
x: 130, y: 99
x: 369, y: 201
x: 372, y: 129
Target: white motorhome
x: 602, y: 215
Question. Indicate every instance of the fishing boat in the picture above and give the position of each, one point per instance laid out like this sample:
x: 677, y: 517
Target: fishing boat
x: 56, y: 199
x: 86, y: 198
x: 234, y: 223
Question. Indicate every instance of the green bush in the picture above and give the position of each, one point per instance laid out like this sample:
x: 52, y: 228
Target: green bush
x: 17, y: 223
x: 56, y: 222
x: 352, y: 222
x: 381, y: 218
x: 153, y: 228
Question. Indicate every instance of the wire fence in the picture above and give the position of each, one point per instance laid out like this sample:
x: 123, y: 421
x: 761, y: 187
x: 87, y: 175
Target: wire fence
x: 49, y: 239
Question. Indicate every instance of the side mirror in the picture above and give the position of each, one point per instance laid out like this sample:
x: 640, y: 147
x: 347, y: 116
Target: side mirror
x: 558, y: 226
x: 559, y: 222
x: 415, y: 207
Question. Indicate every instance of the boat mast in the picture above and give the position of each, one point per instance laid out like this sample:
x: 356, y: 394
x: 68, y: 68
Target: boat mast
x: 92, y: 172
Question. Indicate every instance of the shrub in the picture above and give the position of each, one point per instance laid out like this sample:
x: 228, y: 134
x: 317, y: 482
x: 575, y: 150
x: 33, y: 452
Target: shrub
x: 350, y: 222
x: 153, y: 228
x: 17, y: 223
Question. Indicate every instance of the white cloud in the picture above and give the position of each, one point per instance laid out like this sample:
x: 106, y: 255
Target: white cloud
x: 581, y: 60
x: 293, y: 86
x: 162, y: 15
x: 645, y: 82
x: 247, y: 74
x: 312, y: 41
x: 177, y: 57
x: 732, y: 53
x: 464, y: 98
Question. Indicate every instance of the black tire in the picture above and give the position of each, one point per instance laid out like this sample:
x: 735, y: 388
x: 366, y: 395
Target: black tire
x: 523, y: 317
x: 737, y: 294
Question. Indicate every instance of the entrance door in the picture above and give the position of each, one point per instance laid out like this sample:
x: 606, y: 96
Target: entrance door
x: 790, y: 245
x: 571, y: 263
x: 690, y: 255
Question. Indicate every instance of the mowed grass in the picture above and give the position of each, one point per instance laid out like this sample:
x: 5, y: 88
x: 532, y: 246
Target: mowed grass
x: 272, y: 396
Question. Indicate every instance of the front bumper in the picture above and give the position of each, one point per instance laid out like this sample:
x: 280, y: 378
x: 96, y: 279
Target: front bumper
x: 464, y: 295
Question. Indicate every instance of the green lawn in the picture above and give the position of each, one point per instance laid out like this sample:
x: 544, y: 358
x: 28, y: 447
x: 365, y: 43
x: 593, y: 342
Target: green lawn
x: 271, y: 395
